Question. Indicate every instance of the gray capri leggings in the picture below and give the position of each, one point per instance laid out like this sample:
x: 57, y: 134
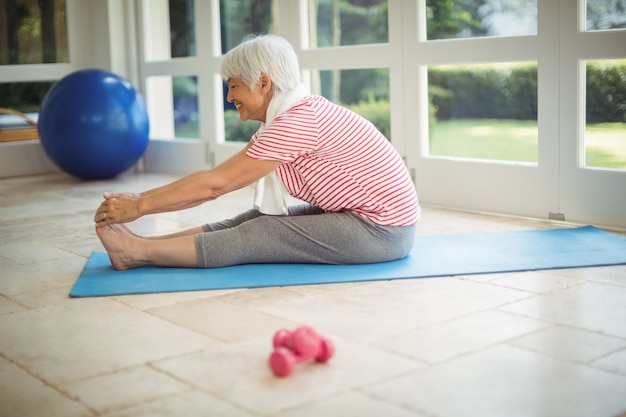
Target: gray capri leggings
x: 306, y: 235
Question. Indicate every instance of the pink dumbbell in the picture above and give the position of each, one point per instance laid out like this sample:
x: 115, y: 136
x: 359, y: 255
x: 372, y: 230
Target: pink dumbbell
x: 293, y: 347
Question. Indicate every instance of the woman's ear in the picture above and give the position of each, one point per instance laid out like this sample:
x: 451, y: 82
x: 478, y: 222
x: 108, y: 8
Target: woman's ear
x: 266, y: 83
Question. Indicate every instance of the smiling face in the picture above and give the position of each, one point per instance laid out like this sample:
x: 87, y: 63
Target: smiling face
x: 250, y: 103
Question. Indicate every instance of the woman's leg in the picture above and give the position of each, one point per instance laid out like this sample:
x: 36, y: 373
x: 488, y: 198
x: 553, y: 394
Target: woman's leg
x: 302, y: 237
x: 188, y: 232
x: 127, y: 250
x: 332, y: 238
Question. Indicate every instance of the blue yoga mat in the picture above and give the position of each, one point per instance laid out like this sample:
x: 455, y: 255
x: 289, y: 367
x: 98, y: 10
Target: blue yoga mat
x: 432, y: 256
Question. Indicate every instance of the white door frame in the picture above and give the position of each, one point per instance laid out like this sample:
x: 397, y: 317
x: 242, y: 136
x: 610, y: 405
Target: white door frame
x: 587, y: 195
x: 491, y: 186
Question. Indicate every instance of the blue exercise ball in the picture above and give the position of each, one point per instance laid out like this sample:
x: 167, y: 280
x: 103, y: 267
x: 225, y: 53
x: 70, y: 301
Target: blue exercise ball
x: 93, y: 124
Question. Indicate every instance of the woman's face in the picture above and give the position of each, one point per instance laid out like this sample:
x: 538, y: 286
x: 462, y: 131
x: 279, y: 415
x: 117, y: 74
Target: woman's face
x: 250, y: 103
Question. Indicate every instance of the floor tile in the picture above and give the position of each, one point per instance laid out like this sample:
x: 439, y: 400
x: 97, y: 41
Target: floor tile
x: 29, y: 229
x: 486, y: 277
x: 536, y: 281
x: 589, y: 306
x: 22, y: 394
x: 352, y: 404
x: 76, y: 243
x: 506, y: 381
x: 45, y: 209
x: 31, y: 252
x: 148, y: 301
x: 388, y: 308
x: 124, y: 388
x: 49, y: 274
x: 240, y: 374
x: 570, y: 344
x: 436, y: 221
x: 44, y: 296
x: 261, y: 297
x: 193, y: 404
x: 615, y: 362
x: 444, y: 341
x: 90, y: 337
x: 221, y: 321
x: 8, y: 306
x: 615, y: 275
x: 6, y: 262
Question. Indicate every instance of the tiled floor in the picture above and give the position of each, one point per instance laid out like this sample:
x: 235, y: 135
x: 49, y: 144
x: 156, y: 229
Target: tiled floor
x: 549, y: 343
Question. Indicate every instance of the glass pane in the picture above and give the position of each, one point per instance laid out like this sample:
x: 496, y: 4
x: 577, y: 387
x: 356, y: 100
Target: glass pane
x: 475, y: 18
x: 484, y: 111
x: 347, y: 22
x: 182, y: 28
x: 241, y: 18
x: 173, y: 107
x: 169, y: 29
x: 25, y: 98
x: 238, y: 20
x: 605, y: 131
x: 364, y: 91
x: 606, y: 14
x: 234, y: 129
x: 33, y: 32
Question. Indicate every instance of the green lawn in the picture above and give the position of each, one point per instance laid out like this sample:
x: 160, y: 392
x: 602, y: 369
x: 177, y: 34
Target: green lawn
x: 510, y: 140
x: 516, y: 140
x: 606, y: 145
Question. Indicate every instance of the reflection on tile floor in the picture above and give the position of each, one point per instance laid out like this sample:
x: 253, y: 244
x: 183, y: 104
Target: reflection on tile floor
x: 549, y: 343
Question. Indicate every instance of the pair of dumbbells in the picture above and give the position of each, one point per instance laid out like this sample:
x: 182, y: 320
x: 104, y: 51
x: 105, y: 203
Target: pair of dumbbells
x: 300, y: 345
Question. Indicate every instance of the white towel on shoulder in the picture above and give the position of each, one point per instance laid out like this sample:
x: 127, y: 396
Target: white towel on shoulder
x: 269, y: 195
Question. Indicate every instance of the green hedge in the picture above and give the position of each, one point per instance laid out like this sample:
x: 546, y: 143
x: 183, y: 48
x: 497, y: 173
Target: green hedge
x: 236, y: 130
x: 464, y: 92
x: 484, y: 93
x: 25, y: 97
x: 606, y: 92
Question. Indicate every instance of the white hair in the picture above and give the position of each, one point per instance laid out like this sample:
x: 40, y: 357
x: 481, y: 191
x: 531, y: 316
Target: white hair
x: 263, y: 54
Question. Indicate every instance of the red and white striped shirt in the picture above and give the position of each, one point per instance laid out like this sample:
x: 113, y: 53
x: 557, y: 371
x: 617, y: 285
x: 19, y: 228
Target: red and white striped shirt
x: 337, y: 160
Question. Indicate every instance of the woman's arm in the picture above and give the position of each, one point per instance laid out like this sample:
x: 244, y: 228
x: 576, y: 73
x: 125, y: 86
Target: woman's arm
x: 237, y: 172
x: 174, y: 185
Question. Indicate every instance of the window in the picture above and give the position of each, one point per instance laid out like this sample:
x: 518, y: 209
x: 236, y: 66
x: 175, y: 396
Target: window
x: 605, y: 92
x: 173, y: 100
x: 35, y: 32
x: 347, y: 22
x: 605, y: 114
x: 470, y: 18
x: 239, y: 19
x: 486, y: 111
x: 173, y: 107
x: 605, y: 15
x: 170, y: 29
x: 182, y: 28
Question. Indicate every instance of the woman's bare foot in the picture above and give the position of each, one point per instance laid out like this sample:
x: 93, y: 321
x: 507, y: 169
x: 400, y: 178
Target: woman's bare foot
x: 122, y: 245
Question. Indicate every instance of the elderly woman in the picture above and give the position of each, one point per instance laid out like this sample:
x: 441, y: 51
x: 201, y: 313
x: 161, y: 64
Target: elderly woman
x: 362, y: 206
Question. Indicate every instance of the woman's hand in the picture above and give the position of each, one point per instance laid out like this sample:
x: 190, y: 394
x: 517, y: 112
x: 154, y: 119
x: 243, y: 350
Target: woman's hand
x: 117, y: 208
